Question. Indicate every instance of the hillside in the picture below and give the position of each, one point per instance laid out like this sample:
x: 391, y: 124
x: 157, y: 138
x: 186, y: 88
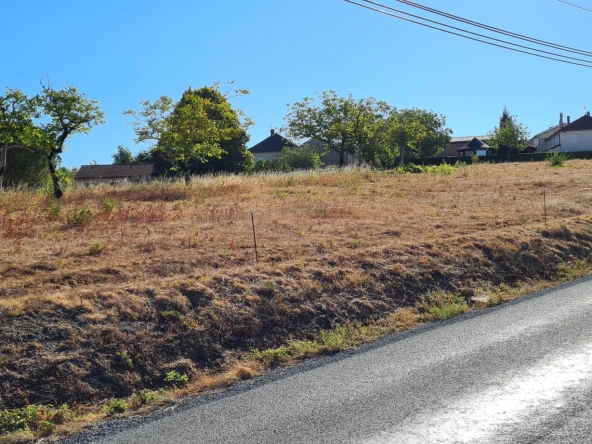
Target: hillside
x: 107, y: 291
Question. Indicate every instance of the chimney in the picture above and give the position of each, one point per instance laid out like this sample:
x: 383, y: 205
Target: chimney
x: 560, y: 120
x: 568, y: 120
x: 272, y: 132
x: 588, y: 113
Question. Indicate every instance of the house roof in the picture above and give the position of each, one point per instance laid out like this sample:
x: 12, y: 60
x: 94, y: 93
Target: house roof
x: 273, y: 144
x: 464, y: 143
x: 581, y: 124
x: 552, y: 129
x: 133, y: 171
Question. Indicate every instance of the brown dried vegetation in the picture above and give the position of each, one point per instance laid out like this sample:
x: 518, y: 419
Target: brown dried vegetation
x: 103, y: 302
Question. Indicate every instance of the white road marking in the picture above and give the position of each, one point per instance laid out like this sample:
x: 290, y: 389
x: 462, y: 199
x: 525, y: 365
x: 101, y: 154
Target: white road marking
x: 487, y: 416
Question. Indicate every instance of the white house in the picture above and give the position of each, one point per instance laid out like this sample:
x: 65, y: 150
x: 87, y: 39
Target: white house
x: 566, y: 138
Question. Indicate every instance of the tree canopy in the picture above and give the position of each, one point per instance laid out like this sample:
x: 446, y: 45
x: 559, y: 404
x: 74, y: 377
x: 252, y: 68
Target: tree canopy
x: 123, y: 156
x: 510, y: 135
x: 196, y: 131
x: 41, y: 124
x: 372, y: 129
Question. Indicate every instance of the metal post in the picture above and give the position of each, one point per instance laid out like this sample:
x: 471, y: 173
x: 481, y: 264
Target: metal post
x: 254, y: 235
x: 545, y: 204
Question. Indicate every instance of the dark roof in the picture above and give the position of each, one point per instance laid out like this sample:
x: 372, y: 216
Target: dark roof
x: 474, y: 144
x: 582, y: 124
x: 463, y: 143
x: 133, y: 171
x: 273, y: 144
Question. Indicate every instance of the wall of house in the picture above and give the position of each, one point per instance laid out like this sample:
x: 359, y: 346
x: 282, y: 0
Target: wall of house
x: 265, y: 156
x: 332, y: 158
x: 576, y: 141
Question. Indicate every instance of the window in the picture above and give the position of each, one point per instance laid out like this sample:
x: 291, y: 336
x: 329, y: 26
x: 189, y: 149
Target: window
x: 574, y: 137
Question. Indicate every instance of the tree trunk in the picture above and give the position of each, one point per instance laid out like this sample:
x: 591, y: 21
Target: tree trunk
x: 57, y: 190
x: 402, y: 163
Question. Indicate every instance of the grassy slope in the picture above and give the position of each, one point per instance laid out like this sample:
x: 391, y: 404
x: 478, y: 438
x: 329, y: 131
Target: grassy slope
x: 162, y: 277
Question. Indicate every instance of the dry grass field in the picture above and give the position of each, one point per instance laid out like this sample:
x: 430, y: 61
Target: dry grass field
x: 113, y: 291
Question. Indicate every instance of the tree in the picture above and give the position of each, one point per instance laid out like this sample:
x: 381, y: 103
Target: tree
x: 199, y: 128
x: 343, y: 124
x: 42, y: 124
x: 123, y: 156
x: 509, y: 136
x: 404, y: 134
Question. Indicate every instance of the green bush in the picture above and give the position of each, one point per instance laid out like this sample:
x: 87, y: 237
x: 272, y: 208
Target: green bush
x: 115, y: 406
x: 147, y: 396
x: 271, y: 357
x: 80, y: 216
x: 175, y: 379
x: 557, y: 159
x: 13, y: 420
x: 290, y: 159
x: 412, y: 168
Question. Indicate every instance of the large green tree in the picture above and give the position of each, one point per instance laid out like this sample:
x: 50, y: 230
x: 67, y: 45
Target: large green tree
x: 123, y: 156
x: 201, y: 132
x: 382, y: 135
x: 510, y: 136
x: 41, y: 124
x: 343, y: 124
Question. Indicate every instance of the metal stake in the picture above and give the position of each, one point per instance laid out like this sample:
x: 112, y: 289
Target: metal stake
x: 545, y: 204
x: 254, y: 235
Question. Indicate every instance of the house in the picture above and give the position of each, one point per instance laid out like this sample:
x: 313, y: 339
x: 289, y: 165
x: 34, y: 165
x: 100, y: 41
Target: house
x: 271, y: 147
x: 112, y: 174
x: 566, y: 138
x: 467, y: 146
x: 330, y: 157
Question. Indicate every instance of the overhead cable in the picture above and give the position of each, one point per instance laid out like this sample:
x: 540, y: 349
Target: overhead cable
x: 575, y: 6
x: 476, y: 33
x: 493, y: 28
x: 468, y: 37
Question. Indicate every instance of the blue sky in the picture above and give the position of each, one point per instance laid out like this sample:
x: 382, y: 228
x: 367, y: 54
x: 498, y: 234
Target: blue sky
x: 120, y: 52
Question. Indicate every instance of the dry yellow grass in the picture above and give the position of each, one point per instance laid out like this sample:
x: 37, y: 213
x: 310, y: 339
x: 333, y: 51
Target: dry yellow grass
x: 165, y: 273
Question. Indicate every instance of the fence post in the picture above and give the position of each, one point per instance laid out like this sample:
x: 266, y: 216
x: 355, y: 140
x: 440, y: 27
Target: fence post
x: 545, y: 204
x: 254, y: 236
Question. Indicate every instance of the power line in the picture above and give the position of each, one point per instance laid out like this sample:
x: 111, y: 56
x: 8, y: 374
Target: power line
x: 494, y: 29
x: 476, y: 33
x: 465, y: 36
x: 575, y: 6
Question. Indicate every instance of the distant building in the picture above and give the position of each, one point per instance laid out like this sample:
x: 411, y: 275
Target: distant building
x: 271, y: 147
x: 329, y: 157
x: 566, y: 137
x: 112, y: 174
x: 467, y: 146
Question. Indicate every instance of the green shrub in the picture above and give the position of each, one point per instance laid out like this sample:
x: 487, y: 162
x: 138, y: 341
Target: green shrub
x: 80, y: 216
x: 441, y: 305
x: 444, y: 169
x: 54, y: 207
x: 125, y: 358
x: 176, y: 379
x: 25, y: 418
x: 147, y: 396
x: 557, y: 159
x: 115, y: 406
x: 340, y: 337
x: 108, y: 204
x: 271, y: 357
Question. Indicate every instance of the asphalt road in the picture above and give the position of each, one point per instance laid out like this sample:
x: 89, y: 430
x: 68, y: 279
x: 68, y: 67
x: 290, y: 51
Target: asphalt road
x: 518, y: 373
